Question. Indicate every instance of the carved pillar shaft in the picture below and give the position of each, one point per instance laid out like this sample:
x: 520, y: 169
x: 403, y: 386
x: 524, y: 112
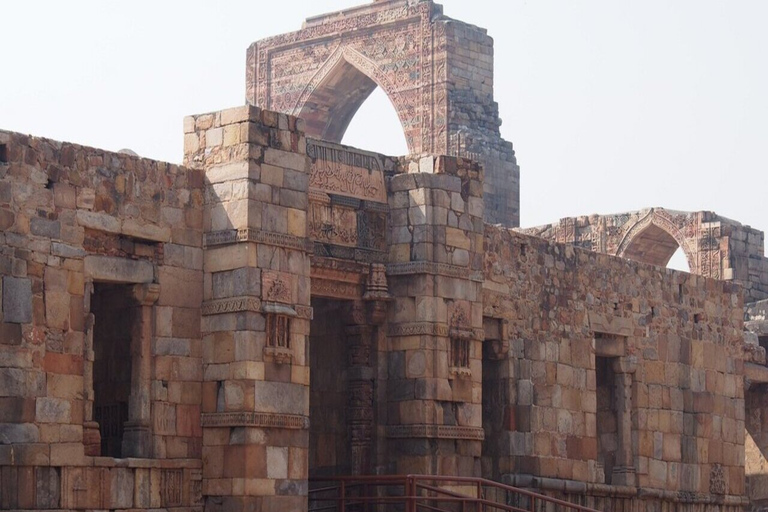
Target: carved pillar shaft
x: 137, y: 438
x: 360, y: 396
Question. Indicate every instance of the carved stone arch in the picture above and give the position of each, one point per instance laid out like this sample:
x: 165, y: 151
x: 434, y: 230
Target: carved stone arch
x: 654, y: 239
x: 338, y: 89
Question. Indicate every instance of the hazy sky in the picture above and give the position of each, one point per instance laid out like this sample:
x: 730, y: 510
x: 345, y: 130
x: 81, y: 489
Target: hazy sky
x: 611, y: 106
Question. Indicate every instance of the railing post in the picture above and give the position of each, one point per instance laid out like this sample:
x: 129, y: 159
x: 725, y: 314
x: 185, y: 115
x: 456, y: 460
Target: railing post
x: 410, y: 505
x: 343, y: 492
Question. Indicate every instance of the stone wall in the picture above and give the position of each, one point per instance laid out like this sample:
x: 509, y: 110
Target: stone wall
x: 72, y: 216
x: 674, y: 341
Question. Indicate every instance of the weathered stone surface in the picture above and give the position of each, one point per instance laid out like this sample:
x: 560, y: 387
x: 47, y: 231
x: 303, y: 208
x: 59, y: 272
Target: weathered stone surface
x: 118, y: 270
x: 17, y: 300
x: 16, y: 433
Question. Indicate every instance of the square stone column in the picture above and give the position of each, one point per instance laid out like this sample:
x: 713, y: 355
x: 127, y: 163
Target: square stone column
x: 256, y: 308
x: 435, y: 324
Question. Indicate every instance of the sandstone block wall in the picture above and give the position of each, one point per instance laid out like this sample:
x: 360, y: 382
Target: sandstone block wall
x: 674, y: 341
x: 72, y: 218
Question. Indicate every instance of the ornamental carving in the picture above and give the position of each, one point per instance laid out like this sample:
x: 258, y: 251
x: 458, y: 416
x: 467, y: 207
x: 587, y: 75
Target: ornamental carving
x: 435, y: 432
x: 254, y: 419
x: 427, y: 267
x: 231, y: 305
x: 717, y: 483
x: 345, y: 172
x: 233, y: 236
x: 335, y: 289
x: 277, y: 285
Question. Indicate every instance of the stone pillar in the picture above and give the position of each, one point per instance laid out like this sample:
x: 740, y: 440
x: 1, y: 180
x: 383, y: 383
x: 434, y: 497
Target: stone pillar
x: 137, y: 436
x: 360, y: 388
x: 256, y: 308
x: 91, y: 433
x: 435, y: 324
x: 624, y: 469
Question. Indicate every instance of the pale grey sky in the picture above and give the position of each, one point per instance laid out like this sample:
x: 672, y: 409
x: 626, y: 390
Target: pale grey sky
x: 612, y: 106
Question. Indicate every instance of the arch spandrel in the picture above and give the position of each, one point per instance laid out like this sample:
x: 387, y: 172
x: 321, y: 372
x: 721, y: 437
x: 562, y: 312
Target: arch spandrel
x: 655, y: 237
x: 391, y: 44
x: 338, y: 89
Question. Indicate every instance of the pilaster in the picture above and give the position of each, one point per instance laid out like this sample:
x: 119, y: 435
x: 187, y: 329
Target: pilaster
x: 435, y: 325
x: 256, y: 308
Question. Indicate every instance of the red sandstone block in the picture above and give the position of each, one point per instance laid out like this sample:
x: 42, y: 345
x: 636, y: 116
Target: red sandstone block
x: 188, y: 421
x: 63, y: 363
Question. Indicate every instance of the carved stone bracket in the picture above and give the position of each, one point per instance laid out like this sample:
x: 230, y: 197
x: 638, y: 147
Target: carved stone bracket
x: 435, y: 432
x: 146, y: 294
x: 255, y: 419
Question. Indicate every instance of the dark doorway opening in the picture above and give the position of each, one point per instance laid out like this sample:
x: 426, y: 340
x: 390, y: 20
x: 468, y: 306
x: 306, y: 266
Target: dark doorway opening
x: 607, y: 419
x: 329, y: 443
x: 113, y: 313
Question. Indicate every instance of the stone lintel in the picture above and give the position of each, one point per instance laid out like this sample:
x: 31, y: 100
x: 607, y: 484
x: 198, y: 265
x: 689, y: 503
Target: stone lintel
x: 757, y: 374
x: 619, y: 326
x: 118, y: 270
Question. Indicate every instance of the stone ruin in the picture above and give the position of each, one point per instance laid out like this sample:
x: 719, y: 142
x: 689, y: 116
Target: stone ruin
x: 209, y: 336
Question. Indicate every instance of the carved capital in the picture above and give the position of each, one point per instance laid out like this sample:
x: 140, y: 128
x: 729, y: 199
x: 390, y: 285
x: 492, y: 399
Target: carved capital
x: 625, y: 365
x: 146, y: 294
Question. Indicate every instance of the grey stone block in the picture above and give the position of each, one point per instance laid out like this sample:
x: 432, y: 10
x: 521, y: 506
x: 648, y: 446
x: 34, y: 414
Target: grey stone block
x: 47, y: 482
x: 17, y: 300
x: 44, y: 227
x: 15, y: 433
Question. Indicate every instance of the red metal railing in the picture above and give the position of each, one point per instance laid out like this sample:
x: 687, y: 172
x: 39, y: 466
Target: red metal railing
x: 417, y: 493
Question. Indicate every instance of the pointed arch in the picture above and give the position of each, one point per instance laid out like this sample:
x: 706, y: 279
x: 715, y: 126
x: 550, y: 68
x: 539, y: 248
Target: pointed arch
x: 338, y: 89
x: 654, y: 239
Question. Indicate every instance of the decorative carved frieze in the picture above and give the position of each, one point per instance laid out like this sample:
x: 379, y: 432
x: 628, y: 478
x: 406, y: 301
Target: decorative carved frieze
x: 349, y: 253
x: 231, y: 305
x: 418, y: 329
x: 432, y: 329
x: 427, y: 267
x: 172, y: 484
x: 346, y: 266
x: 255, y: 419
x: 335, y: 289
x: 232, y: 236
x: 305, y: 312
x: 435, y: 432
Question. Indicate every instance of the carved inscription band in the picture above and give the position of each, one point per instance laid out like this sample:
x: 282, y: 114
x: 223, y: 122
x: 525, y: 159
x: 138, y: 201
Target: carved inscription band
x: 231, y: 236
x: 440, y: 269
x: 255, y: 419
x: 240, y: 304
x: 433, y: 329
x: 435, y: 432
